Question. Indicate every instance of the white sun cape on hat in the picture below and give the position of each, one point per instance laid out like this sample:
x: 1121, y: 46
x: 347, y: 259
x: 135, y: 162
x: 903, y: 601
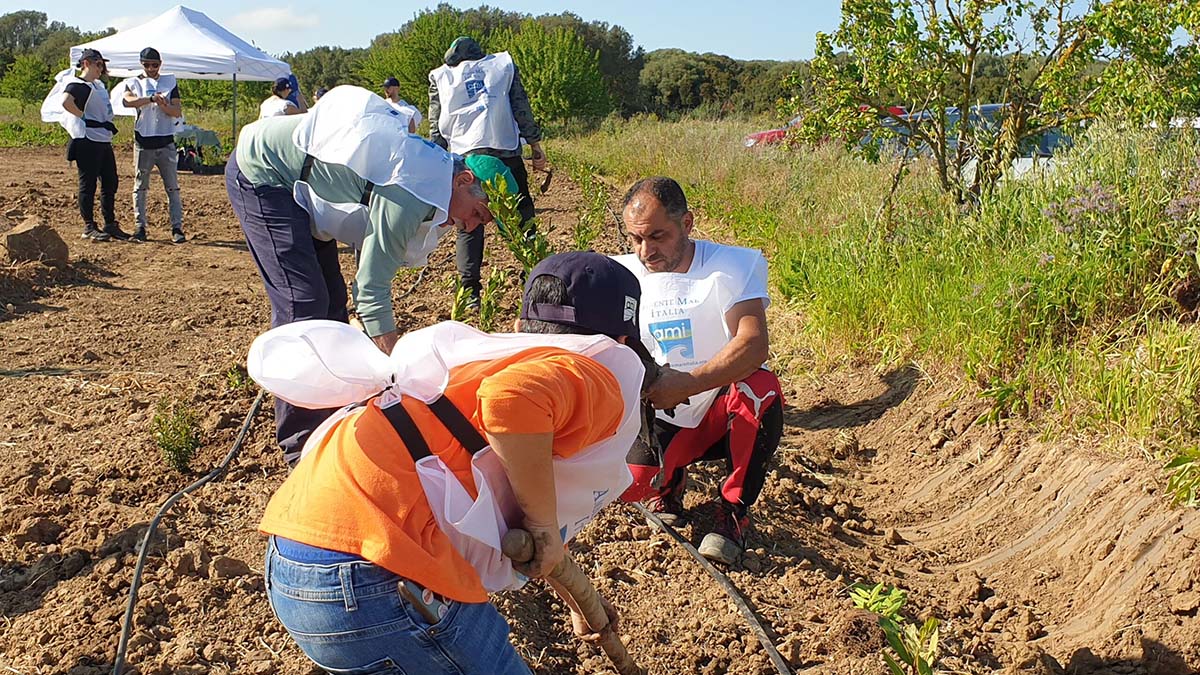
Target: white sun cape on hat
x: 327, y: 364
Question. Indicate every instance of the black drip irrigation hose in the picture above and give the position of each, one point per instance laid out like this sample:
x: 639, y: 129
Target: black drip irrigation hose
x: 127, y: 628
x: 777, y: 659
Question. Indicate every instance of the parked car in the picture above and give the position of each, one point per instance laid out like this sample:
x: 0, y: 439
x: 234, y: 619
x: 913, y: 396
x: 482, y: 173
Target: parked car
x: 776, y: 136
x: 770, y: 136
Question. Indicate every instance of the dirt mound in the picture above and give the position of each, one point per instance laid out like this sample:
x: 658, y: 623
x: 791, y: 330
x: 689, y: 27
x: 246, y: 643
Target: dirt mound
x: 1038, y: 558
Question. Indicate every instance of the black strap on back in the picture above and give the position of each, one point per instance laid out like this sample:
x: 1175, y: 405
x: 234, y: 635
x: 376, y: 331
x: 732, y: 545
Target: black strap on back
x: 458, y: 425
x: 306, y: 171
x: 448, y: 414
x: 407, y: 429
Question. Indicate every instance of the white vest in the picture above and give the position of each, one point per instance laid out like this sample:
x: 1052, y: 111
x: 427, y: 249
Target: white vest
x: 96, y: 108
x: 406, y: 109
x: 324, y: 364
x: 151, y: 120
x: 358, y: 129
x: 475, y: 110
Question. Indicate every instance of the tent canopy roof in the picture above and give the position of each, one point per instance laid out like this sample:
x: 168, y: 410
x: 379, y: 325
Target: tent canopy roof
x: 192, y: 45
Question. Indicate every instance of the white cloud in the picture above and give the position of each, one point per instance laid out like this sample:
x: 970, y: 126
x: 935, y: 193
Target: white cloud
x: 129, y: 21
x: 273, y: 19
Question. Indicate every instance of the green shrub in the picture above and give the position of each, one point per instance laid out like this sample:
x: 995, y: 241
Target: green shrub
x: 176, y: 431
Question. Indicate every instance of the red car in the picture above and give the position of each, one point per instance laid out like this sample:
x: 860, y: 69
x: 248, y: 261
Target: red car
x: 776, y: 136
x: 771, y: 136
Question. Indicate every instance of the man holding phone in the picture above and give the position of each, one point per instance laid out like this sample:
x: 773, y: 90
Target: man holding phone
x: 155, y: 96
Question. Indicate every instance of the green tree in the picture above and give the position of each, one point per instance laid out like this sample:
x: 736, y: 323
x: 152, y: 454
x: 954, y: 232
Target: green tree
x: 561, y: 75
x: 26, y: 80
x: 620, y: 60
x: 414, y: 50
x: 940, y: 59
x: 676, y: 81
x: 327, y: 67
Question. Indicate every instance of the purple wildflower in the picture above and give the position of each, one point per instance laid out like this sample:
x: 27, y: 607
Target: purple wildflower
x: 1045, y: 259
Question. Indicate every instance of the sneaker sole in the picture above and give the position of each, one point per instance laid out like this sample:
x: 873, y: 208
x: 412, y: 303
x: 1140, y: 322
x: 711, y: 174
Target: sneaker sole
x: 671, y: 519
x: 719, y: 549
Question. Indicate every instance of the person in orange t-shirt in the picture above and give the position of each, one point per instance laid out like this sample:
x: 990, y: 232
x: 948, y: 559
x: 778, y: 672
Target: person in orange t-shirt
x: 358, y: 569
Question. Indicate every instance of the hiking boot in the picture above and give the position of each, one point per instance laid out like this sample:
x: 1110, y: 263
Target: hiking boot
x: 114, y: 230
x: 92, y: 232
x: 728, y: 539
x: 177, y: 235
x: 140, y: 233
x: 668, y: 505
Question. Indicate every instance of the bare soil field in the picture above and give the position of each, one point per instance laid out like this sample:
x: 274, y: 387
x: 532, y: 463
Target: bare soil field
x: 1038, y: 558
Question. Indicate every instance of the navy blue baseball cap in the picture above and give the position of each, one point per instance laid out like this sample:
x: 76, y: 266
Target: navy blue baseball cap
x: 391, y: 82
x: 602, y: 297
x: 90, y: 54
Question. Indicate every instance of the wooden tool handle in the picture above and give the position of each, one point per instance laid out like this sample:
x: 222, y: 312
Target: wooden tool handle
x: 517, y: 545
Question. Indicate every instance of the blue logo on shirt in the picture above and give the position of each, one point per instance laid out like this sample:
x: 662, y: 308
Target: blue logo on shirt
x: 672, y: 335
x: 474, y: 87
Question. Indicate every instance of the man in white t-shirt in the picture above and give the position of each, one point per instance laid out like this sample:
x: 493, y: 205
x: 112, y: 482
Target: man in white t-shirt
x: 703, y: 313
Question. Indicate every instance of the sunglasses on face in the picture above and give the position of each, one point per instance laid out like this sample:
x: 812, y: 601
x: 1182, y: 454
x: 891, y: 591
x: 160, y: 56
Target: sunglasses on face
x: 148, y: 64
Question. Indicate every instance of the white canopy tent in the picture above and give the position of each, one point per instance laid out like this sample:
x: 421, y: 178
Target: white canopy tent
x: 192, y: 46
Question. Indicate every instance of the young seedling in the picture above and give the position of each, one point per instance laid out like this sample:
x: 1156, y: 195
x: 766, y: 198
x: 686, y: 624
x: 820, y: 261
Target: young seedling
x: 489, y: 304
x: 236, y: 378
x: 176, y: 431
x: 461, y: 306
x: 914, y: 649
x: 524, y: 240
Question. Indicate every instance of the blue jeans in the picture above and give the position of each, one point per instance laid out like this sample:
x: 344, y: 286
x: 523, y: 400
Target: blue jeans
x: 349, y: 617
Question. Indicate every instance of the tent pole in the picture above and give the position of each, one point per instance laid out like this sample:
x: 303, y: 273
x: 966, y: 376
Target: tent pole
x: 235, y: 109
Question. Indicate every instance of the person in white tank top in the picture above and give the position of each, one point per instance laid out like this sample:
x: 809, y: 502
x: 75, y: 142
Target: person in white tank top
x: 703, y: 312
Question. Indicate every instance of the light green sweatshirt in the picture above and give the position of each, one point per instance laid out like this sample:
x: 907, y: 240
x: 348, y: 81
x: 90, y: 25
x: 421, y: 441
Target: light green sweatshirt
x: 267, y: 156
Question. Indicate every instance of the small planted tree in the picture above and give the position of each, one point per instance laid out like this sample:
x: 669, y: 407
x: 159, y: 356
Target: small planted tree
x: 527, y: 244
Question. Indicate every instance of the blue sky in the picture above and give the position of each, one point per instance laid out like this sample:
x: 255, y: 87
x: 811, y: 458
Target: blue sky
x: 766, y: 29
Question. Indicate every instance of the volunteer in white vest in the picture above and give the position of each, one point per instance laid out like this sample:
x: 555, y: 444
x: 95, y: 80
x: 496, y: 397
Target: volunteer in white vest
x: 391, y: 92
x: 703, y: 313
x: 155, y: 97
x: 347, y: 171
x: 477, y: 105
x: 278, y: 103
x: 82, y: 107
x: 384, y: 540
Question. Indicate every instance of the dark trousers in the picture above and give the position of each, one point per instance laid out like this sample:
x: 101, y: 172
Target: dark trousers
x: 93, y: 161
x: 301, y: 274
x: 468, y: 250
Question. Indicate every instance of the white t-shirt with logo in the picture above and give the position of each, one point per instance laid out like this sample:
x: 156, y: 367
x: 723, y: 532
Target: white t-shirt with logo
x: 682, y: 314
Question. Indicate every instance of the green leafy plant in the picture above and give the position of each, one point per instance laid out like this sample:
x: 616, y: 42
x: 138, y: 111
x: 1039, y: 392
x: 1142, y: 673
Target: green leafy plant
x: 489, y: 302
x: 524, y: 240
x: 176, y: 431
x: 1184, y: 482
x: 461, y: 306
x: 879, y: 599
x: 236, y: 378
x: 26, y: 80
x: 914, y: 649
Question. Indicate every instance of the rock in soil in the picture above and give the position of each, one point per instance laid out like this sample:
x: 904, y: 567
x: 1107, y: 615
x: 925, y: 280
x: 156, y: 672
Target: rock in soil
x: 34, y: 240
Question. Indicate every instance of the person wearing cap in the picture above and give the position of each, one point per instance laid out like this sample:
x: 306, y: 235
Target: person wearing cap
x: 366, y: 566
x: 704, y: 313
x: 347, y: 172
x: 321, y: 91
x: 391, y: 92
x: 278, y: 102
x: 155, y: 96
x: 477, y: 105
x: 90, y: 124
